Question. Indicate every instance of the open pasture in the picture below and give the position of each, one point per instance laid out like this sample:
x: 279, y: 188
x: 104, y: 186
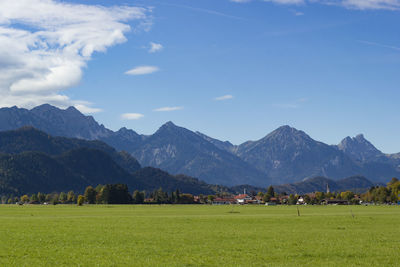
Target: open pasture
x: 199, y: 235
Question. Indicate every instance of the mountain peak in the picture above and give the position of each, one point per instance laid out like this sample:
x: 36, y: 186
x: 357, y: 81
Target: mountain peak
x: 73, y: 109
x: 287, y: 132
x: 360, y: 137
x: 169, y: 124
x: 359, y: 148
x: 287, y: 129
x: 45, y: 108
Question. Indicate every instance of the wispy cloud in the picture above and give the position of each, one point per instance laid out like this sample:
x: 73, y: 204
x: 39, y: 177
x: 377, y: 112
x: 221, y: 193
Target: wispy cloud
x: 131, y: 116
x: 286, y: 2
x: 224, y: 97
x: 296, y: 12
x: 282, y: 2
x: 369, y: 4
x: 142, y: 70
x: 166, y: 109
x: 205, y: 10
x: 293, y: 105
x: 45, y: 44
x: 348, y: 4
x: 380, y: 45
x: 155, y: 47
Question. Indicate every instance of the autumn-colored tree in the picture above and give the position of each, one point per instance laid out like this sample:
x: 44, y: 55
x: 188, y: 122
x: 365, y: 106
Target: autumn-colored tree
x: 80, y: 201
x: 25, y: 199
x: 90, y: 195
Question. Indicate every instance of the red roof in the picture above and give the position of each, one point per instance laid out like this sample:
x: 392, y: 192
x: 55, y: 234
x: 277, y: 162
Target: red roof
x: 241, y: 196
x: 224, y: 199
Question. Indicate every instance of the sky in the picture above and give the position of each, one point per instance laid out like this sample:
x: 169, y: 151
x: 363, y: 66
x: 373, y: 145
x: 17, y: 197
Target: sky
x: 232, y: 69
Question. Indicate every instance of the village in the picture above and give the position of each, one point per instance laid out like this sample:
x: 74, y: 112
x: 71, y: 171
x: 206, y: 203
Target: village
x: 283, y: 199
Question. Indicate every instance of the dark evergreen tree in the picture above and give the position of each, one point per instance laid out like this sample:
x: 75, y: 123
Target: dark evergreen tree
x: 138, y: 197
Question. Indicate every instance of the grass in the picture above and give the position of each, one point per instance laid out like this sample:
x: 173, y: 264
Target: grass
x: 192, y: 235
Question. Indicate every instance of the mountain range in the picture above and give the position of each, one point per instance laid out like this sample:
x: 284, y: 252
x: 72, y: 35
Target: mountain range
x: 286, y: 155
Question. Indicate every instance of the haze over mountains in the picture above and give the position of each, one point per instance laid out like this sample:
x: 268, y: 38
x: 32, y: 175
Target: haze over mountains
x: 286, y: 155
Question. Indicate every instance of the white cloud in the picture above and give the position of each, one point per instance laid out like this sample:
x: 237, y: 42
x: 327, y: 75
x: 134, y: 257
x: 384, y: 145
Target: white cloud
x: 142, y: 70
x: 154, y: 47
x: 164, y: 109
x: 224, y: 97
x: 131, y: 116
x: 45, y: 44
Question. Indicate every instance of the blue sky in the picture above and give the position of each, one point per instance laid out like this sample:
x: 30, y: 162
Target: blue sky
x: 236, y: 71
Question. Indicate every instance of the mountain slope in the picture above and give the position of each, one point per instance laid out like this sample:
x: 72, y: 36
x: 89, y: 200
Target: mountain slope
x: 30, y: 139
x: 32, y: 172
x: 227, y: 146
x: 38, y: 162
x: 289, y: 155
x: 178, y: 150
x: 153, y: 178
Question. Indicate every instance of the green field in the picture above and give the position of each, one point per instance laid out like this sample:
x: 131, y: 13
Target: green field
x: 164, y: 235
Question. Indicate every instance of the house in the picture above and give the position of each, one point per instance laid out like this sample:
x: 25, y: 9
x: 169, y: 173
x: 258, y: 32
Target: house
x: 283, y: 199
x: 243, y: 199
x: 259, y: 199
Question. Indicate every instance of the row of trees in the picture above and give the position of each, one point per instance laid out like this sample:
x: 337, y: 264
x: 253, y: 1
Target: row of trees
x: 104, y: 194
x: 119, y: 194
x: 40, y: 198
x: 384, y: 194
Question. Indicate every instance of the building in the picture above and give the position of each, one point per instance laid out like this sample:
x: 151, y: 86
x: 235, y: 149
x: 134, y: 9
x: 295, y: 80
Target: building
x: 243, y: 199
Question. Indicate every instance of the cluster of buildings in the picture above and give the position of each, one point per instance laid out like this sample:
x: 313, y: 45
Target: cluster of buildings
x: 244, y: 198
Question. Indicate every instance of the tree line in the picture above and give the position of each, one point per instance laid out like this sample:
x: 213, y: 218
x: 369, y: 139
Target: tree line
x: 104, y: 194
x: 119, y: 194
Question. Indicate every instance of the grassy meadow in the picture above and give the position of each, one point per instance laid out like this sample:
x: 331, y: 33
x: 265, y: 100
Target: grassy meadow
x: 165, y: 235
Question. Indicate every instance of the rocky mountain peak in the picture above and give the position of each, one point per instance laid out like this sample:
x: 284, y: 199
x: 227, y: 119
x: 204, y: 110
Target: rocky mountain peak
x: 170, y: 127
x: 359, y: 148
x: 286, y: 134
